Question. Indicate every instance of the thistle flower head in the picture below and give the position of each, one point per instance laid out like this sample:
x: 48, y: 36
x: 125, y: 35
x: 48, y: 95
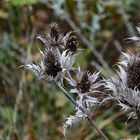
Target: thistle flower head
x: 86, y: 103
x: 133, y: 73
x: 51, y: 63
x: 55, y: 31
x: 52, y: 66
x: 53, y: 38
x: 126, y: 89
x: 85, y: 86
x: 85, y: 82
x: 70, y: 42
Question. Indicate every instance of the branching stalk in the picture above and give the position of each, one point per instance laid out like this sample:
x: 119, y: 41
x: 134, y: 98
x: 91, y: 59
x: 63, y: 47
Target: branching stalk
x: 90, y: 119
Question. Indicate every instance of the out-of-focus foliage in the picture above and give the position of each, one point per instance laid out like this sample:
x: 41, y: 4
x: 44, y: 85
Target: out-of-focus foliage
x: 40, y: 108
x: 23, y: 2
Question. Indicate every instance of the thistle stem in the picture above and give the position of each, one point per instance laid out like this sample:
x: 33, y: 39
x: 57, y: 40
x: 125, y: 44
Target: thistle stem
x: 138, y: 118
x: 90, y: 119
x: 98, y: 130
x: 67, y: 95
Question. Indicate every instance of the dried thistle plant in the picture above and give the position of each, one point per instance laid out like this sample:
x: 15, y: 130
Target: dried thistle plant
x: 70, y: 42
x: 57, y: 63
x: 84, y: 86
x: 54, y: 38
x: 126, y: 89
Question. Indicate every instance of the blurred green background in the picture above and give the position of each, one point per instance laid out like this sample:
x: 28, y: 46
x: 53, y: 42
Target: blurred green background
x: 34, y: 110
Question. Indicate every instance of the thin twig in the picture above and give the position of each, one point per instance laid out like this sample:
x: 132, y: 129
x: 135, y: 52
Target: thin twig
x: 111, y: 119
x: 20, y: 93
x: 18, y: 99
x: 98, y: 130
x: 90, y: 119
x: 67, y: 95
x: 138, y: 118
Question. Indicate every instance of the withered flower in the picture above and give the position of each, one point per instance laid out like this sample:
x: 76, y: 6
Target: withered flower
x: 55, y: 63
x: 126, y: 89
x: 127, y: 97
x: 54, y: 38
x: 85, y: 82
x: 85, y: 86
x: 133, y: 73
x: 52, y: 66
x: 70, y: 42
x: 51, y: 63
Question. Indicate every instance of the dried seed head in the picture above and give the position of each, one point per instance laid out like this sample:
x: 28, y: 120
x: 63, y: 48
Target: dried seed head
x: 53, y: 38
x: 52, y: 64
x: 133, y: 74
x: 72, y: 43
x: 54, y: 31
x: 84, y: 84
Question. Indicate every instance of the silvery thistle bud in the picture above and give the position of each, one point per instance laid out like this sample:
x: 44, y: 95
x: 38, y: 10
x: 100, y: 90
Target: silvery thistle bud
x: 53, y: 65
x: 85, y: 82
x: 70, y: 42
x: 84, y: 86
x: 54, y: 38
x: 126, y: 89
